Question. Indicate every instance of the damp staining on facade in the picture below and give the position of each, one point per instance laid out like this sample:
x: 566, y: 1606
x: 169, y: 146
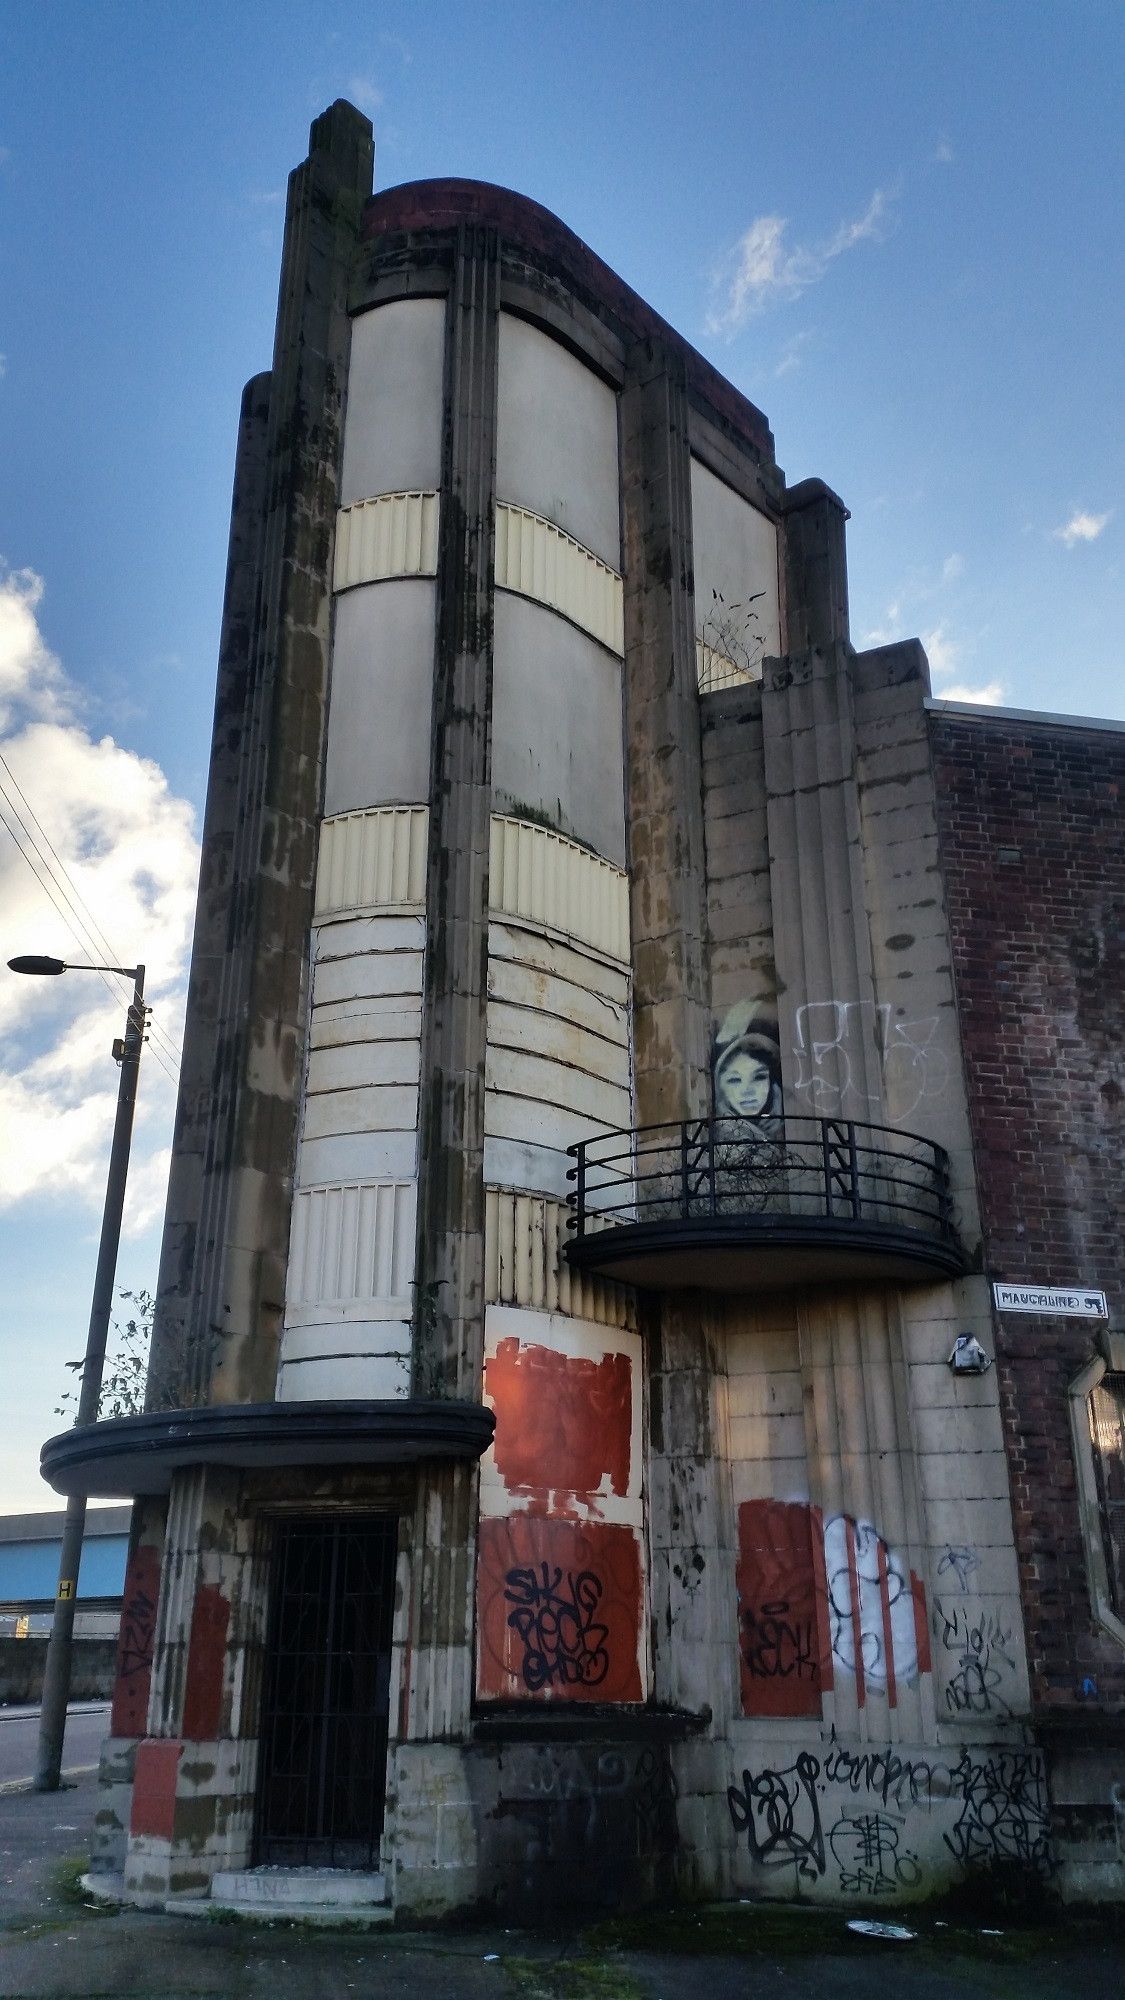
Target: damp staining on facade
x: 584, y: 1161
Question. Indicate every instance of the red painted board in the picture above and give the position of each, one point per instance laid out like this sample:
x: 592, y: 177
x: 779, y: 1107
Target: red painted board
x: 563, y: 1422
x: 558, y: 1610
x: 781, y: 1621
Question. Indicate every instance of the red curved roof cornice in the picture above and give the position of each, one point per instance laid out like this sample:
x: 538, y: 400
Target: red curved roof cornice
x: 443, y: 204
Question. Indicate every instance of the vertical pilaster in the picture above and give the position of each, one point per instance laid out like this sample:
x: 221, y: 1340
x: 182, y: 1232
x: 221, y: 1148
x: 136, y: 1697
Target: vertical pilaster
x: 226, y: 1256
x: 831, y: 1041
x: 664, y: 784
x: 449, y: 1286
x: 816, y: 567
x: 191, y: 1252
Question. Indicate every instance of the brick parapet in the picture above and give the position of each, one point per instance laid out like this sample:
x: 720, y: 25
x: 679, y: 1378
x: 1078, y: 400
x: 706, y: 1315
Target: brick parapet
x: 1034, y: 870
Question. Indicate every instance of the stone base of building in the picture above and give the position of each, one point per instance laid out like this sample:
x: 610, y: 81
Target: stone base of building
x: 541, y: 1825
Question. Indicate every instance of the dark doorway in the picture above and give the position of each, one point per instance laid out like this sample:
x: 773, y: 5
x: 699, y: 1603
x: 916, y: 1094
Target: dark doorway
x: 323, y: 1771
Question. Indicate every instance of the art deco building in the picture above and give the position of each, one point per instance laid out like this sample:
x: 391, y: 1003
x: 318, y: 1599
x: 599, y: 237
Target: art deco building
x: 555, y: 1487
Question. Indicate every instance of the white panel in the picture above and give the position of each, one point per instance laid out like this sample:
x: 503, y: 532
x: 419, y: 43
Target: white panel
x: 359, y: 1156
x: 393, y: 419
x: 396, y: 534
x: 355, y: 1062
x: 591, y: 991
x: 536, y: 874
x: 537, y: 559
x: 557, y: 726
x: 737, y: 620
x: 372, y: 860
x: 344, y: 1378
x: 380, y: 696
x: 393, y: 1108
x: 556, y: 438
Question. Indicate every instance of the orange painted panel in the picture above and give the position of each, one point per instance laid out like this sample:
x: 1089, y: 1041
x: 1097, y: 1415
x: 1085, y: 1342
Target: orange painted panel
x: 784, y: 1653
x: 558, y: 1610
x: 203, y: 1692
x: 563, y: 1422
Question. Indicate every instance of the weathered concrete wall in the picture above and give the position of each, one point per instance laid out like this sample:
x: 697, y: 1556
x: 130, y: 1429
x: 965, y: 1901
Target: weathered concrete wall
x: 21, y: 1668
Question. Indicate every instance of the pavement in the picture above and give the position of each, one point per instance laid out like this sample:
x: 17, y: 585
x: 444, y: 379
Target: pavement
x: 55, y: 1945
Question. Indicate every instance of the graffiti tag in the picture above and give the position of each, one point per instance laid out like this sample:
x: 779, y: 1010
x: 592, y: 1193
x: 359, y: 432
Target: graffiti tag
x: 562, y: 1643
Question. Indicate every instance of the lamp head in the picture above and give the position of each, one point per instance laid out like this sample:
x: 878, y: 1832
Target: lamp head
x: 49, y: 967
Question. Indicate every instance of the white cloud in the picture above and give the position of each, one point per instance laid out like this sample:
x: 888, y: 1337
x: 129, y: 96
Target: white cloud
x: 952, y: 568
x: 763, y: 269
x: 1081, y: 528
x: 942, y: 652
x: 364, y: 91
x: 792, y: 354
x: 943, y: 152
x: 991, y: 695
x: 128, y: 847
x: 31, y: 679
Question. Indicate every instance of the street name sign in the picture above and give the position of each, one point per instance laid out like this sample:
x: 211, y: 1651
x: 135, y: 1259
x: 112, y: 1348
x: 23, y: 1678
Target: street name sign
x: 1079, y: 1302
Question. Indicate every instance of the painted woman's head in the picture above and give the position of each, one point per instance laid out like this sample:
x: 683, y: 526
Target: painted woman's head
x: 747, y: 1063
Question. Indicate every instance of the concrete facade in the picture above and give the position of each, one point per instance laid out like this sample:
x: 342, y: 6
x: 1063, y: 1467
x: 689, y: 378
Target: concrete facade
x: 552, y: 809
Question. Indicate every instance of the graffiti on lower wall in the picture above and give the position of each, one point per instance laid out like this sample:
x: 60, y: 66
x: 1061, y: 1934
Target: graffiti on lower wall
x: 817, y: 1597
x: 858, y: 1821
x: 135, y: 1641
x: 558, y: 1608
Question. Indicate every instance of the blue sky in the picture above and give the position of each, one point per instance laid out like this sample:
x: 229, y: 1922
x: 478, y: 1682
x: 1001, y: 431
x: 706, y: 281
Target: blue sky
x: 897, y: 227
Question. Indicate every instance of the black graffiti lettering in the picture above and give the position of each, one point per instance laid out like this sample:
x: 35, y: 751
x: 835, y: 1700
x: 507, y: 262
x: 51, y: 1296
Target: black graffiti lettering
x: 983, y: 1651
x: 561, y: 1641
x: 776, y: 1646
x: 893, y: 1780
x: 138, y: 1624
x: 1004, y: 1815
x: 866, y: 1849
x: 779, y: 1813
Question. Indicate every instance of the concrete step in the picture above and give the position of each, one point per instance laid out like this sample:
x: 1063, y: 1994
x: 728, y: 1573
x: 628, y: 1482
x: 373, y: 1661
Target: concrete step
x: 289, y: 1891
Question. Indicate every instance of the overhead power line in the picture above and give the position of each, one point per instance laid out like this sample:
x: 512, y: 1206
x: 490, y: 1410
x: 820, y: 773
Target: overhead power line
x: 67, y: 902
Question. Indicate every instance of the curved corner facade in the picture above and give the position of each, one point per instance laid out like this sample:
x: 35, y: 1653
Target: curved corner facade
x: 549, y: 799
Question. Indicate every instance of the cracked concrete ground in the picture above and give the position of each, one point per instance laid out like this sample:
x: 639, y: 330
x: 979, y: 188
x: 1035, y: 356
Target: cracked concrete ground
x: 53, y: 1946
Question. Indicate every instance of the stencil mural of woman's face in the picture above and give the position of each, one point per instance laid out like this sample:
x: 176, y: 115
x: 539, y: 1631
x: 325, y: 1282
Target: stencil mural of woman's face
x: 746, y: 1064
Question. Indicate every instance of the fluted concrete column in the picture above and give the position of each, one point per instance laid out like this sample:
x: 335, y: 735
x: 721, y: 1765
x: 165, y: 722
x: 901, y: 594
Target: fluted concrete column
x: 664, y: 784
x: 831, y: 1032
x: 449, y: 1285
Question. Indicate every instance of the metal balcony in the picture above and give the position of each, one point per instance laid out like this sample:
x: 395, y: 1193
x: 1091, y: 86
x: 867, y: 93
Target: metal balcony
x: 738, y: 1204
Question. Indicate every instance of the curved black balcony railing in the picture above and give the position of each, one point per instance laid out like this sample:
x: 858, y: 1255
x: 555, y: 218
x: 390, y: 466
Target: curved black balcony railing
x: 729, y: 1203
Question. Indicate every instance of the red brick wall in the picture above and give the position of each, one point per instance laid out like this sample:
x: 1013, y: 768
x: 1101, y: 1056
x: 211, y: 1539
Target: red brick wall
x: 1033, y: 852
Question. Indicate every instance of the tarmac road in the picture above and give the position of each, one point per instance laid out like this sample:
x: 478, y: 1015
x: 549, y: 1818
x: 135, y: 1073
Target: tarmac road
x: 55, y: 1947
x: 87, y: 1722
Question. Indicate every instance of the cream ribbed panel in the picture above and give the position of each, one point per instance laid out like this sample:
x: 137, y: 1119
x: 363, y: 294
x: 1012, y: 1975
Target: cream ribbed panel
x: 536, y: 559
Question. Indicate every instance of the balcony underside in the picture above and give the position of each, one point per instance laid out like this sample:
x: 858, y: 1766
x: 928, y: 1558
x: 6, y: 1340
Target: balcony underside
x: 130, y: 1455
x: 756, y: 1253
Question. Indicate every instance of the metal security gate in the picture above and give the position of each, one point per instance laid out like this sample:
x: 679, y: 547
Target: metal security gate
x: 323, y: 1769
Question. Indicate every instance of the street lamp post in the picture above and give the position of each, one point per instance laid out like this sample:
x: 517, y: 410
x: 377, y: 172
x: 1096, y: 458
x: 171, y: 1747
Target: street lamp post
x: 127, y: 1052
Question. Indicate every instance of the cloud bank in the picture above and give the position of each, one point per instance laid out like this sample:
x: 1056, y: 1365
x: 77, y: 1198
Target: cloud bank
x: 128, y: 846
